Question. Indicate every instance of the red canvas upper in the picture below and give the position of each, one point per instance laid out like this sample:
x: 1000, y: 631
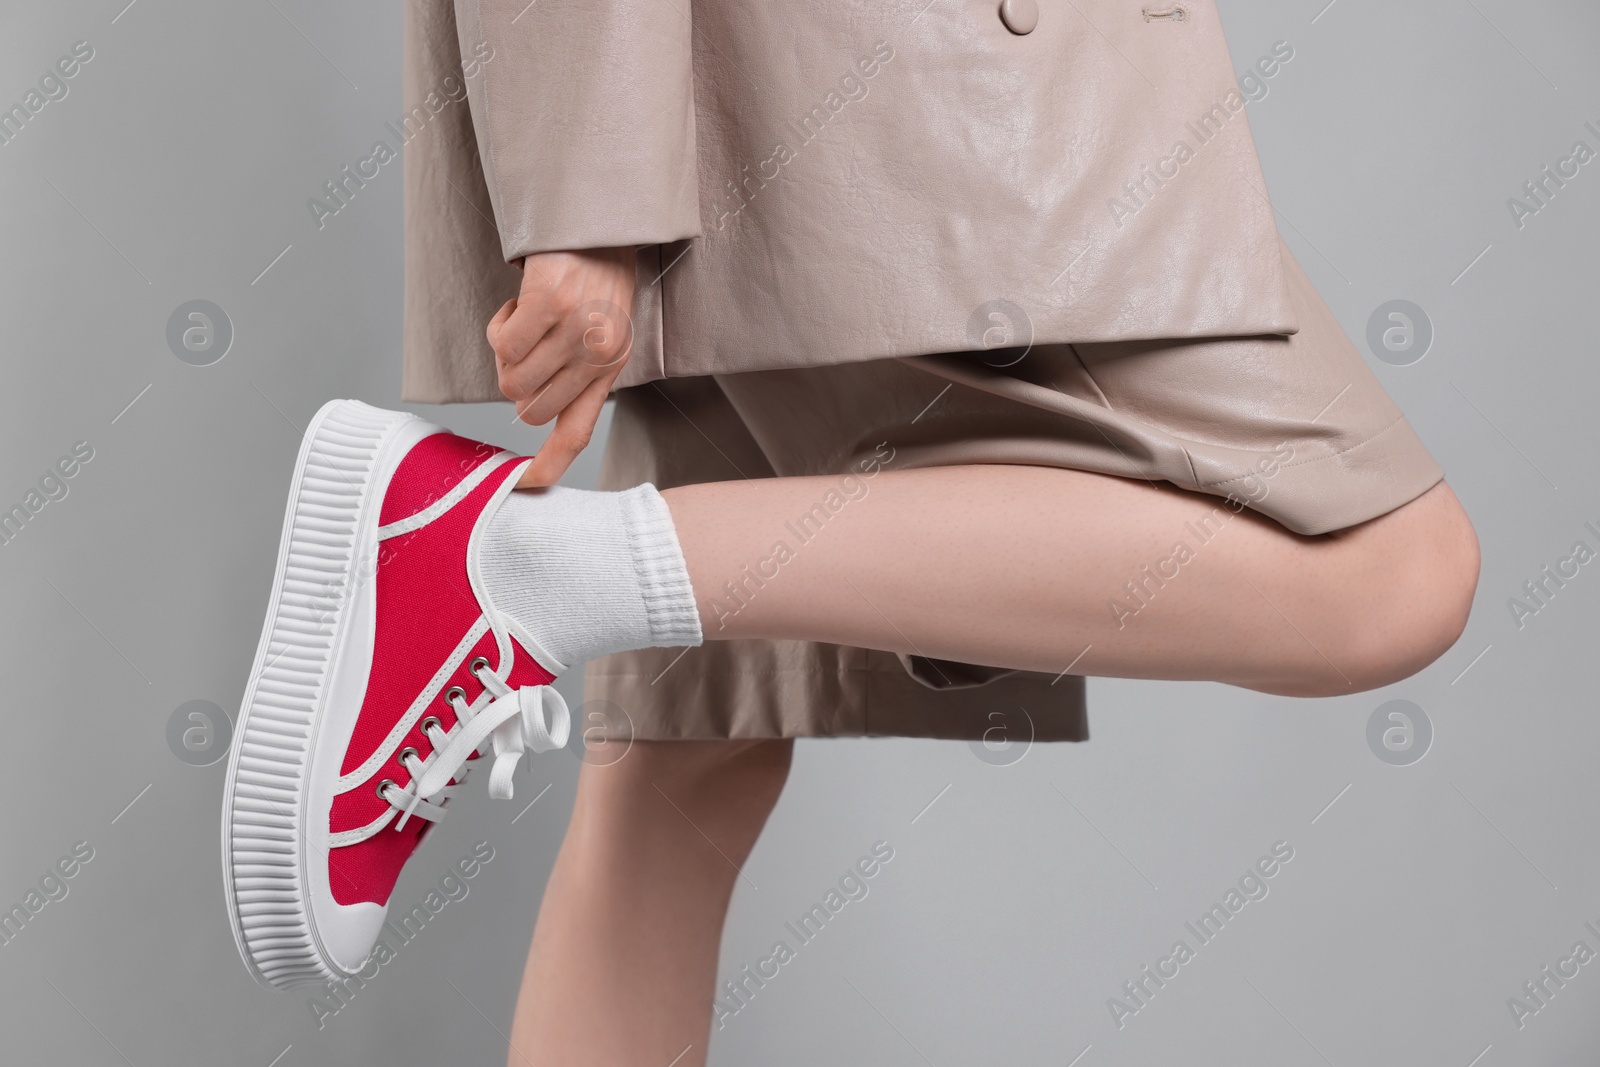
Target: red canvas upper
x: 425, y: 609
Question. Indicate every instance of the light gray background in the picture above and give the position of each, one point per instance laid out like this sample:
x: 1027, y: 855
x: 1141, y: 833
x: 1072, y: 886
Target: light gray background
x: 178, y: 168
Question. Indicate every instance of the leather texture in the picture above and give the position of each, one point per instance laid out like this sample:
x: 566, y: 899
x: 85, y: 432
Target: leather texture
x: 834, y: 181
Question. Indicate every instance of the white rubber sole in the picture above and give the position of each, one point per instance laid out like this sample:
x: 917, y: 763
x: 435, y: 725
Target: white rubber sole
x: 270, y: 832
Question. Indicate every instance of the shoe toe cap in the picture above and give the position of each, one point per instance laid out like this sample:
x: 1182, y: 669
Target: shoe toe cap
x: 348, y: 933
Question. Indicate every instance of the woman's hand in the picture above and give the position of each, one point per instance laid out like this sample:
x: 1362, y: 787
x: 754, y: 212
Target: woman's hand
x: 560, y: 343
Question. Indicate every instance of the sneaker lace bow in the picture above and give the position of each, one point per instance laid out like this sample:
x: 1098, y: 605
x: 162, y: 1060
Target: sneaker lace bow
x: 509, y: 721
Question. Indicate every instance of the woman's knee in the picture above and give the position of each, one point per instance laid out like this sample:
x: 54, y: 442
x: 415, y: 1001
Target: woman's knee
x: 1424, y: 567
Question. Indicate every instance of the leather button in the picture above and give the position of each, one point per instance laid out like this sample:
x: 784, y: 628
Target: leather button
x: 1020, y: 16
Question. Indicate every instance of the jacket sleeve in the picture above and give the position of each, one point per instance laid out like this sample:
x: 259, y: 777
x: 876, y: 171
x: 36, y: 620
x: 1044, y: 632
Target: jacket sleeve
x: 584, y: 114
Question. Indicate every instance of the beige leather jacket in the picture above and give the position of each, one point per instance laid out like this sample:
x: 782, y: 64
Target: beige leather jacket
x: 826, y: 181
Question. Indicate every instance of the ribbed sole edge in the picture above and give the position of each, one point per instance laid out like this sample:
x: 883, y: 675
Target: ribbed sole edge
x: 263, y: 819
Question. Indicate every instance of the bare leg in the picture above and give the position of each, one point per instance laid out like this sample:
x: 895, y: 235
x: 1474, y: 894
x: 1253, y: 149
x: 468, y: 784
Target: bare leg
x: 1021, y: 566
x: 623, y: 965
x: 1016, y: 566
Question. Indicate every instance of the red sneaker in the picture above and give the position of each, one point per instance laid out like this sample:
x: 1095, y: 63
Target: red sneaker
x: 382, y: 670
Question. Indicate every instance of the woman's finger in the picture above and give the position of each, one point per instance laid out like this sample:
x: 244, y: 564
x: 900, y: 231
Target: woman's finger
x: 554, y: 395
x: 492, y: 331
x: 574, y: 426
x: 521, y: 329
x: 526, y: 380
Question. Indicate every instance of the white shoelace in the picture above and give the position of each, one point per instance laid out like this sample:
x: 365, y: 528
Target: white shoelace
x: 514, y: 721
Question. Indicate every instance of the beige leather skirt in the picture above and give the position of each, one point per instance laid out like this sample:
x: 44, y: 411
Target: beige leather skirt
x: 1295, y: 427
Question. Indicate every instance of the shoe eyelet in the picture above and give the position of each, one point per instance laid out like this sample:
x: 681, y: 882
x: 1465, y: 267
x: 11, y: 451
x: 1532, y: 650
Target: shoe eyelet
x: 451, y: 695
x: 407, y: 752
x: 478, y: 663
x: 428, y: 725
x: 383, y: 786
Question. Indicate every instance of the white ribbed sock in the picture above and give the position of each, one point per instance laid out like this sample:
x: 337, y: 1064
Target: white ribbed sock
x: 588, y: 573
